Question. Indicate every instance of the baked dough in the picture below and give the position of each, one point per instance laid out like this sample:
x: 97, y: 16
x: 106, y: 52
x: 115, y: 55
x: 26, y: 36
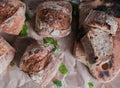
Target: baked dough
x: 39, y: 63
x: 12, y: 16
x: 53, y: 19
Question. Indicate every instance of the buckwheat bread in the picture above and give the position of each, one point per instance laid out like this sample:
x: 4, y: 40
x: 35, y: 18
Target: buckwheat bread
x: 53, y: 19
x: 12, y: 16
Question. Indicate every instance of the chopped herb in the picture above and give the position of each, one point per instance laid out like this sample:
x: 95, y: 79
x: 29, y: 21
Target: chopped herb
x: 63, y: 69
x: 57, y: 82
x: 24, y: 30
x: 12, y: 63
x: 57, y: 49
x: 22, y: 0
x: 48, y: 41
x: 75, y: 9
x: 90, y: 84
x: 88, y: 64
x: 27, y: 17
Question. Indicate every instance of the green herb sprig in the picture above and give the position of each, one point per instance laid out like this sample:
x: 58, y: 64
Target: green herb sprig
x: 48, y: 41
x: 57, y: 82
x: 24, y: 30
x: 63, y: 69
x: 88, y: 64
x: 12, y: 64
x: 90, y: 84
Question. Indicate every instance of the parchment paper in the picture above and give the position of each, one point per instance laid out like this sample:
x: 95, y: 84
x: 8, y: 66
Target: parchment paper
x: 77, y: 77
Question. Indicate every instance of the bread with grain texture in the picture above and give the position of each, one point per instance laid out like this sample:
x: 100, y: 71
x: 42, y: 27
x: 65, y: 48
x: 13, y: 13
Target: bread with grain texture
x: 98, y: 45
x: 53, y: 19
x: 12, y: 17
x: 7, y: 54
x: 99, y: 35
x: 39, y: 63
x: 107, y: 70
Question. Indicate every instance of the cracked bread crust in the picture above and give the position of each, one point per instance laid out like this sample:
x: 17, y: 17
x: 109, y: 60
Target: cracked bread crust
x: 98, y: 46
x: 101, y: 20
x: 33, y: 57
x: 15, y: 13
x: 39, y: 63
x: 106, y: 26
x: 53, y: 19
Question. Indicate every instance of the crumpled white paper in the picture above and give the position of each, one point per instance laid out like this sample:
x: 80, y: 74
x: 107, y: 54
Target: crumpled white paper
x: 77, y: 77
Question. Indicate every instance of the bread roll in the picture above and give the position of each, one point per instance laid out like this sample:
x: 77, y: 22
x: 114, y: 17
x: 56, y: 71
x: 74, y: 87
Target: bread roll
x: 99, y: 28
x: 53, y: 19
x: 105, y: 70
x: 39, y: 63
x: 98, y: 44
x: 12, y: 16
x: 6, y: 54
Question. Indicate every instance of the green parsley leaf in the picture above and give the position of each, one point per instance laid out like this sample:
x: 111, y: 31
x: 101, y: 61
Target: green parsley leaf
x: 12, y: 63
x: 57, y: 49
x: 63, y: 69
x: 22, y: 0
x: 88, y: 64
x: 24, y: 30
x: 27, y: 17
x: 90, y: 84
x: 48, y: 41
x: 57, y: 82
x: 75, y: 9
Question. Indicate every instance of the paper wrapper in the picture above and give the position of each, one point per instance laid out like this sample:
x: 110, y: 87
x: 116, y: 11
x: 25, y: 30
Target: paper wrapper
x: 77, y: 77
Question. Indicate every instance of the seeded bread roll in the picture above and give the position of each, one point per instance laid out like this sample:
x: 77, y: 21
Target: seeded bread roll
x: 98, y: 44
x: 12, y: 17
x: 6, y: 54
x: 53, y: 19
x: 105, y: 70
x: 99, y: 35
x: 39, y: 63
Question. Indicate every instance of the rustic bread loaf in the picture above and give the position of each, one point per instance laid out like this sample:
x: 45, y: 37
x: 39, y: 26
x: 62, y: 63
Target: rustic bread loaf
x: 53, y: 19
x: 100, y: 40
x: 39, y: 63
x: 12, y: 17
x: 98, y: 44
x: 6, y: 54
x: 107, y: 70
